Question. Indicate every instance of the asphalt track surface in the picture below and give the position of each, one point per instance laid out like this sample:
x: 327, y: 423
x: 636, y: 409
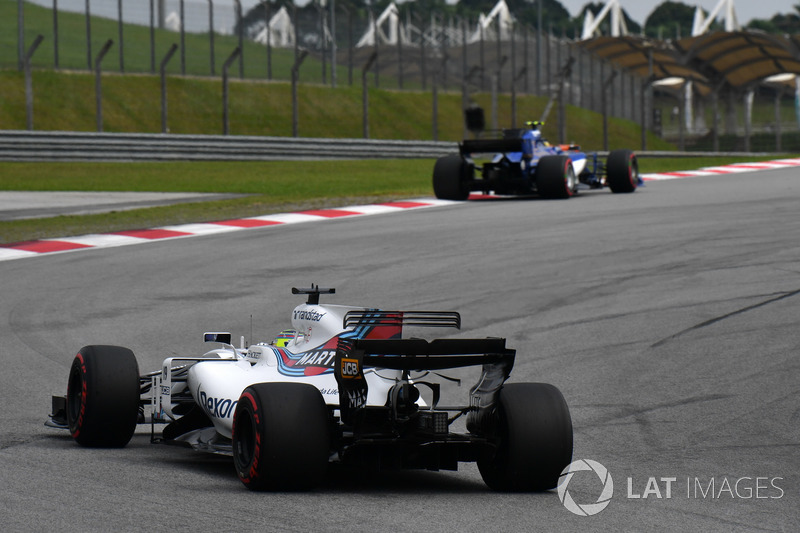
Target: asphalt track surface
x: 668, y: 318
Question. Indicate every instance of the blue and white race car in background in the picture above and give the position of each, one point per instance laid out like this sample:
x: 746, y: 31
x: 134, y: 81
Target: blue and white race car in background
x: 524, y: 163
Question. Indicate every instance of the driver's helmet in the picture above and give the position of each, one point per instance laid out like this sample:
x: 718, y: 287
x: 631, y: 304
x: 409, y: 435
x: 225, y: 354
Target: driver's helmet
x: 534, y: 129
x: 285, y: 338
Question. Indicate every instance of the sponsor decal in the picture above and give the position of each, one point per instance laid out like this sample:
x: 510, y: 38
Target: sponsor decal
x: 216, y: 407
x: 311, y: 315
x: 356, y: 399
x: 350, y: 368
x: 317, y: 358
x: 320, y: 360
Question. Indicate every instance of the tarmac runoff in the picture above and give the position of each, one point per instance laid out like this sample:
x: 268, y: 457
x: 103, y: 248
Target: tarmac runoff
x: 19, y: 205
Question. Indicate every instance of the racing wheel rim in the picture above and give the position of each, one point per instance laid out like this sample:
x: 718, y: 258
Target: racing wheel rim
x: 245, y: 440
x: 572, y: 180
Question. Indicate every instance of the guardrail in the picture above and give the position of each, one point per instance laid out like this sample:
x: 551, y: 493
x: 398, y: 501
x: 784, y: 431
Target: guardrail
x: 78, y: 146
x: 37, y: 146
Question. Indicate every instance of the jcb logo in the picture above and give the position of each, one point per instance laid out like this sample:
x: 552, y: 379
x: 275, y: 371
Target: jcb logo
x: 350, y: 368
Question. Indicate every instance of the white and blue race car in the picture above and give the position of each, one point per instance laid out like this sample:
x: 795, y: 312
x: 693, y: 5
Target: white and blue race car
x: 341, y: 386
x: 524, y: 163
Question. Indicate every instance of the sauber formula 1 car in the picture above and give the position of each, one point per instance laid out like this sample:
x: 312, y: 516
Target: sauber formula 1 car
x: 524, y: 163
x: 341, y: 386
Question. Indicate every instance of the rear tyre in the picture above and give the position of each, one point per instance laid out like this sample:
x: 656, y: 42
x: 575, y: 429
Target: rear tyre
x: 103, y: 396
x: 622, y: 171
x: 451, y: 176
x: 281, y: 437
x: 555, y: 177
x: 534, y: 439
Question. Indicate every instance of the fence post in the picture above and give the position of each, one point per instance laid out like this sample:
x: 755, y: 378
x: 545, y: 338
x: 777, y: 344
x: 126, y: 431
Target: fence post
x: 88, y: 36
x: 715, y: 103
x: 225, y: 67
x: 778, y: 131
x: 163, y: 71
x: 295, y: 78
x: 121, y: 42
x: 211, y: 36
x: 323, y: 50
x: 483, y: 58
x: 562, y: 103
x: 645, y: 88
x: 365, y: 94
x: 522, y: 73
x: 20, y: 35
x: 539, y: 47
x: 183, y: 36
x: 349, y: 46
x: 152, y: 38
x: 435, y: 106
x: 98, y: 90
x: 268, y: 36
x: 604, y: 99
x: 29, y: 81
x: 748, y: 117
x: 333, y: 43
x: 240, y: 32
x: 399, y: 53
x: 513, y: 78
x: 55, y: 34
x: 377, y: 48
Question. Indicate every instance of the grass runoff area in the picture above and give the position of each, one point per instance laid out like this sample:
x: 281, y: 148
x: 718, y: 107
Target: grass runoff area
x: 271, y: 187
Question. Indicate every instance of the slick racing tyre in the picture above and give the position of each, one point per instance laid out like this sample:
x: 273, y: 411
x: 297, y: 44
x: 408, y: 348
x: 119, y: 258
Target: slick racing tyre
x: 103, y: 396
x: 451, y: 176
x: 281, y: 437
x: 555, y: 177
x: 622, y: 171
x: 534, y: 439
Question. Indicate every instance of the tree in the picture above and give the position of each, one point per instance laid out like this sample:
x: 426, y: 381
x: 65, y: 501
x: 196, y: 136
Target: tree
x: 526, y: 12
x: 671, y: 19
x: 605, y: 26
x: 779, y: 24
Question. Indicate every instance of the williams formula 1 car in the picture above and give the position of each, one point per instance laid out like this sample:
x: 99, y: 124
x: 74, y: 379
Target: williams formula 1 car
x: 341, y: 386
x: 525, y: 163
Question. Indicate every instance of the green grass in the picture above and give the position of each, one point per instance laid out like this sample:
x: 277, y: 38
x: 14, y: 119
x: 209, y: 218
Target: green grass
x: 272, y: 187
x: 131, y: 103
x: 136, y: 46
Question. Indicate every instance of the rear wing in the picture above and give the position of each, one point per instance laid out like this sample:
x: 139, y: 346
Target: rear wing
x: 354, y: 355
x: 431, y: 319
x: 477, y: 146
x: 439, y: 354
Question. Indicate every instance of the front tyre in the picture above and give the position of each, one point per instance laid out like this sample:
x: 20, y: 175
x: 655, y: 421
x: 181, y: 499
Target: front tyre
x: 622, y: 171
x: 451, y: 177
x: 103, y: 396
x: 281, y: 437
x: 555, y: 177
x: 534, y: 439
